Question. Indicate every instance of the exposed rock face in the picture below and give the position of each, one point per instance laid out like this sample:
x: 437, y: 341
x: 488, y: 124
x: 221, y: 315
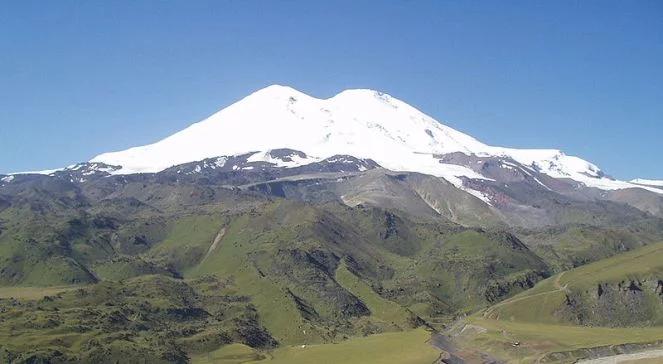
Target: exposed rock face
x: 497, y: 290
x: 626, y: 303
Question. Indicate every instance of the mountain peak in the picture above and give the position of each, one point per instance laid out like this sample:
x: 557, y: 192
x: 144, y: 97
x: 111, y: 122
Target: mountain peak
x: 367, y: 95
x: 284, y: 92
x: 362, y: 123
x: 277, y: 92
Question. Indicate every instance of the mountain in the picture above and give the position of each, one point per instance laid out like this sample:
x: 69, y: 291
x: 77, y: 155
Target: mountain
x: 285, y: 220
x: 361, y: 123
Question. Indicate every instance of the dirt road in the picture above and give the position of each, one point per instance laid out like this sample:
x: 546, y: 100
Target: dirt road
x: 649, y: 356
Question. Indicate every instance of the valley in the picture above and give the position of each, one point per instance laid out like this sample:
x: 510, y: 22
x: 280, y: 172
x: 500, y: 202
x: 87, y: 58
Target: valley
x: 328, y: 250
x: 409, y: 347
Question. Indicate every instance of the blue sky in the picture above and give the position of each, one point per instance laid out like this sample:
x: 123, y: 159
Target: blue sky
x: 78, y: 78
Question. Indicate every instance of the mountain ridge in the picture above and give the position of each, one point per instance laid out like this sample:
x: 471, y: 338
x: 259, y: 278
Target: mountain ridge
x: 362, y: 123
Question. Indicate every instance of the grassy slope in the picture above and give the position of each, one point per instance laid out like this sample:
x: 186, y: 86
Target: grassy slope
x: 539, y: 303
x: 33, y: 293
x: 529, y: 318
x: 188, y: 239
x: 141, y: 319
x: 230, y: 260
x: 229, y: 354
x: 537, y: 339
x: 382, y: 309
x: 641, y: 262
x: 566, y: 247
x: 410, y: 347
x: 239, y: 255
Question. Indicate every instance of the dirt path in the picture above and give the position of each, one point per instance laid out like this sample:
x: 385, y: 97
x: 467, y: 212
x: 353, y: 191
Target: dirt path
x: 452, y: 354
x: 557, y: 280
x: 556, y: 283
x: 215, y: 242
x: 443, y: 343
x: 627, y: 358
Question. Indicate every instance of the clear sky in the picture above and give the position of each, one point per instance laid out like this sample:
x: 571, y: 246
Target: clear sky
x: 78, y: 78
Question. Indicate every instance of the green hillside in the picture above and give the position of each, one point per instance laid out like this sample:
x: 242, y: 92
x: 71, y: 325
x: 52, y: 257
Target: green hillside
x: 567, y: 315
x: 168, y: 267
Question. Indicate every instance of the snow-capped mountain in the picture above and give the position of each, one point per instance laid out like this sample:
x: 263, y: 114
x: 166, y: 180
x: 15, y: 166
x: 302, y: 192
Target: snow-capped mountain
x: 648, y: 182
x: 361, y: 123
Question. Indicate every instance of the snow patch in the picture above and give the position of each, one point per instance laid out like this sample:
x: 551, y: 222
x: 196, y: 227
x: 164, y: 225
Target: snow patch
x: 648, y: 182
x: 289, y: 161
x: 220, y: 162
